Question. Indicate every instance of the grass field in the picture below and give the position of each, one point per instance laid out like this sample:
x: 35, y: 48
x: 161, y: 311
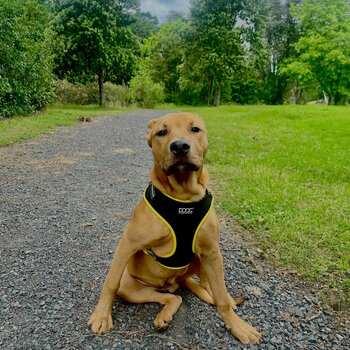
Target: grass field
x: 22, y: 128
x: 284, y: 172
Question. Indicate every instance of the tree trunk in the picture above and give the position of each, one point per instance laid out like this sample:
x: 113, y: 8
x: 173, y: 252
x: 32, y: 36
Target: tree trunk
x: 326, y: 97
x: 217, y: 97
x: 102, y: 98
x: 210, y: 91
x: 299, y: 94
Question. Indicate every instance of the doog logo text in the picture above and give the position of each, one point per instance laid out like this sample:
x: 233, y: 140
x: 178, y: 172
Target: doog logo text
x: 186, y: 210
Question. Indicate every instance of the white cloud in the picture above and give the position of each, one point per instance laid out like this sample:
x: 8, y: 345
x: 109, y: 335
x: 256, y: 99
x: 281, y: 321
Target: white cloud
x: 161, y: 8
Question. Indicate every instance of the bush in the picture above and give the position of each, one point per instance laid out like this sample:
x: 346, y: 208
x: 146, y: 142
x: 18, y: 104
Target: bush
x: 145, y: 92
x: 66, y: 92
x: 246, y: 90
x: 117, y: 94
x: 92, y: 92
x: 142, y: 91
x: 25, y: 59
x: 69, y: 93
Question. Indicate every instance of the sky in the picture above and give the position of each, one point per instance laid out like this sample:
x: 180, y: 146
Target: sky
x: 161, y: 8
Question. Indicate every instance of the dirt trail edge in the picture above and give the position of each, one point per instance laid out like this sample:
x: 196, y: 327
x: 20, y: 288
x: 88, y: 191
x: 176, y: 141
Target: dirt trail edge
x: 65, y: 198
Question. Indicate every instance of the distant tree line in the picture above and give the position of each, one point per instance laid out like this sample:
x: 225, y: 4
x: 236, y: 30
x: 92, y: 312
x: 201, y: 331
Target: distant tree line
x: 224, y: 51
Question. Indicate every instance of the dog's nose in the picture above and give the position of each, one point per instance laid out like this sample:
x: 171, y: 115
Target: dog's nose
x: 180, y: 147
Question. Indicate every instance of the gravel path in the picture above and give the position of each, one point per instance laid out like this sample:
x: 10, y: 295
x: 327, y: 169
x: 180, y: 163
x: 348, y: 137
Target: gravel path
x: 65, y: 198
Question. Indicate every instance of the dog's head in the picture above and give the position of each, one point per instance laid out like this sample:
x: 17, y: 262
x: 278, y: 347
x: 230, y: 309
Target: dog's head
x: 178, y: 141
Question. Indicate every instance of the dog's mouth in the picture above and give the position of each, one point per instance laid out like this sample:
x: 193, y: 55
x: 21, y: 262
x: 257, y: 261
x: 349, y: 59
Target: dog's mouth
x: 181, y: 167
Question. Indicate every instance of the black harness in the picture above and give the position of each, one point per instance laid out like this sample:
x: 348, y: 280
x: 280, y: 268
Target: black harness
x: 184, y: 219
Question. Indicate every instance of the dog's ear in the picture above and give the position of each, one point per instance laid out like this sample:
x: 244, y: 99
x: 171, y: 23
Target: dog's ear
x: 149, y: 131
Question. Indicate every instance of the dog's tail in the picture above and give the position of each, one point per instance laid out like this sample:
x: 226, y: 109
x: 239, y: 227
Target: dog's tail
x: 203, y: 294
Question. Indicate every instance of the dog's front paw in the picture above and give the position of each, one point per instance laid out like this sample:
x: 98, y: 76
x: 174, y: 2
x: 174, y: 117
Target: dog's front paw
x: 165, y: 316
x: 161, y: 324
x: 100, y: 322
x: 163, y: 319
x: 243, y: 331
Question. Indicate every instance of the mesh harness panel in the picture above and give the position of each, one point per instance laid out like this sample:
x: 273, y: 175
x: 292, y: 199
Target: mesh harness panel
x: 184, y: 219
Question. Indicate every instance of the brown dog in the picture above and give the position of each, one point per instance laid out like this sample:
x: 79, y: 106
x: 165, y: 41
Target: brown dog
x: 148, y: 264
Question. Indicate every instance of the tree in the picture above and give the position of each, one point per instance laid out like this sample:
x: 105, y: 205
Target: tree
x: 223, y: 37
x: 213, y: 50
x: 174, y: 16
x: 144, y: 24
x: 163, y: 54
x: 25, y: 57
x: 249, y: 84
x: 94, y: 40
x: 281, y: 34
x: 323, y: 51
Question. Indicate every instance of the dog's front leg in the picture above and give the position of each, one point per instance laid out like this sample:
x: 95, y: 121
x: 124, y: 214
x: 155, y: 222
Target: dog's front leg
x: 101, y: 319
x: 212, y: 265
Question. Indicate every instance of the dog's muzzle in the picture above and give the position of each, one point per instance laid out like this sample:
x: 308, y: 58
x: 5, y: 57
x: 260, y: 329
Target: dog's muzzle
x: 180, y: 147
x: 181, y: 158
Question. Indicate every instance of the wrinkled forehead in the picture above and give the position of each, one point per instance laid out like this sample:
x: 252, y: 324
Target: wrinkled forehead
x: 176, y: 121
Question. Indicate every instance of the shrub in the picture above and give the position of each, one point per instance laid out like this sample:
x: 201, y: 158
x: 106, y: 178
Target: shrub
x: 117, y: 94
x: 66, y: 92
x: 69, y: 93
x: 25, y: 59
x: 145, y: 92
x: 92, y: 92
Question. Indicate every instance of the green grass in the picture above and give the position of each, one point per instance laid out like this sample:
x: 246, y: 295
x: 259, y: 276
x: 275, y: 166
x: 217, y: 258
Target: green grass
x: 284, y: 172
x: 22, y: 128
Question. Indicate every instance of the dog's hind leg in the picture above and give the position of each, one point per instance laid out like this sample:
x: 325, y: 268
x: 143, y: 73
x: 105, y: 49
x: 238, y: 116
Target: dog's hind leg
x: 134, y: 291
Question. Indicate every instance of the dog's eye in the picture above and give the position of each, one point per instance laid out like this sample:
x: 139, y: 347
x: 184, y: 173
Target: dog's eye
x: 162, y: 132
x: 195, y: 129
